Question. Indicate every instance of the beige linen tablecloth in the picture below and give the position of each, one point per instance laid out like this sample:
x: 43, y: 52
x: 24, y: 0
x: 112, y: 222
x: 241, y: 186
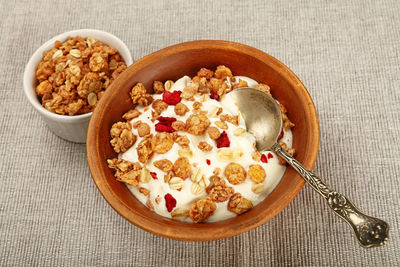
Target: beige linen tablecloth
x: 347, y: 53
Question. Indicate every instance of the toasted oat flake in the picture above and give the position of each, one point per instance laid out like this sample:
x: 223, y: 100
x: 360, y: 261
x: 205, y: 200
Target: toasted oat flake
x: 145, y: 176
x: 197, y: 189
x: 185, y: 152
x: 257, y: 188
x: 204, y: 182
x: 175, y: 183
x: 226, y: 154
x: 240, y: 132
x: 92, y: 99
x: 75, y: 53
x: 197, y: 175
x: 57, y: 54
x: 180, y: 213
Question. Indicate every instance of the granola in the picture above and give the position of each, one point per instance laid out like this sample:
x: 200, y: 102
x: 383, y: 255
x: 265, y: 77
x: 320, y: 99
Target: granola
x: 218, y: 190
x: 197, y: 124
x: 73, y: 75
x: 162, y: 142
x: 256, y: 173
x: 122, y: 136
x: 203, y: 209
x: 164, y: 164
x: 126, y: 171
x: 235, y: 173
x: 181, y: 167
x: 238, y: 204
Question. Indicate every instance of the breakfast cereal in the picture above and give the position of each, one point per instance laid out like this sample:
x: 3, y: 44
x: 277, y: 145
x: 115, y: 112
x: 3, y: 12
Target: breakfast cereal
x: 73, y: 75
x: 189, y: 156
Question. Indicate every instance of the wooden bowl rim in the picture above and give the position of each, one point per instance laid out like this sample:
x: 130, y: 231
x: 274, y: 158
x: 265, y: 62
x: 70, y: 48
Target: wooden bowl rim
x: 208, y: 233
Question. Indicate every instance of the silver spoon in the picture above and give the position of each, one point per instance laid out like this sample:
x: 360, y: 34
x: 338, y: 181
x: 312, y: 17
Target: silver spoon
x: 263, y: 118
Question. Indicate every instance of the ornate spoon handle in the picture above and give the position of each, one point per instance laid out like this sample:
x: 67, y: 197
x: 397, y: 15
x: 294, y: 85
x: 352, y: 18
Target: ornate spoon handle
x: 370, y: 231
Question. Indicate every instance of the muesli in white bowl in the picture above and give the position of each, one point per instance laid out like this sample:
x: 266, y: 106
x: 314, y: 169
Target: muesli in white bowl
x: 67, y: 75
x: 185, y: 153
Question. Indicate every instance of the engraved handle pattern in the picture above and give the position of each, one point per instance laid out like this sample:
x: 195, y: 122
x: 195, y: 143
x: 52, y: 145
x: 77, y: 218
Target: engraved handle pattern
x: 370, y: 231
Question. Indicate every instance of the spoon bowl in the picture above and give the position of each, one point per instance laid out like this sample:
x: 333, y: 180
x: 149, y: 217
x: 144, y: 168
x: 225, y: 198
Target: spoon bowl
x: 261, y: 113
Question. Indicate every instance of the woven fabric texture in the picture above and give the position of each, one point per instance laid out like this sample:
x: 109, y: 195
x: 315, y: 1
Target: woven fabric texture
x: 347, y: 53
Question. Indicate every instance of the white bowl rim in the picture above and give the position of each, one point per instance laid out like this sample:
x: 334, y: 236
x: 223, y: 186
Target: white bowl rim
x: 38, y: 54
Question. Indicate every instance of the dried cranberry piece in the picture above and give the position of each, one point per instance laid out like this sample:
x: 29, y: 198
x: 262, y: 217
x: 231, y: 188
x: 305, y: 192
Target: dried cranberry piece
x: 270, y: 156
x: 164, y: 124
x: 214, y: 96
x: 264, y: 158
x: 208, y: 162
x: 281, y: 135
x: 164, y: 128
x: 223, y: 140
x: 172, y: 98
x: 170, y: 202
x: 154, y: 175
x: 166, y: 120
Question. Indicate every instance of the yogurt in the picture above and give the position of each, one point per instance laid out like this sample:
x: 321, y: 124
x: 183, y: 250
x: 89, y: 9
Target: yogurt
x: 205, y: 162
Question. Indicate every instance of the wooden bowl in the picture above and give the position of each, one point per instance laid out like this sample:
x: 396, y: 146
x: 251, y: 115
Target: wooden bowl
x: 172, y: 63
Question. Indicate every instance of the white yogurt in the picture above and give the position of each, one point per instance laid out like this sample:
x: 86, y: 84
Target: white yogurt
x: 184, y: 198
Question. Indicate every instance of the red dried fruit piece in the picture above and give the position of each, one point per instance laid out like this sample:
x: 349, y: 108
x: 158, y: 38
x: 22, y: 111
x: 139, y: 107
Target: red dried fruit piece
x: 281, y: 135
x: 264, y: 158
x: 170, y: 202
x: 166, y: 120
x: 223, y: 140
x: 172, y: 98
x: 214, y: 96
x: 154, y: 175
x: 164, y: 124
x: 208, y: 161
x: 164, y: 128
x: 270, y: 156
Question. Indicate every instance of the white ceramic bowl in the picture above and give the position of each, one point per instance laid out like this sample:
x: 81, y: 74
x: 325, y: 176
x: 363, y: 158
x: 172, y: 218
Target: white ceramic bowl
x: 71, y: 128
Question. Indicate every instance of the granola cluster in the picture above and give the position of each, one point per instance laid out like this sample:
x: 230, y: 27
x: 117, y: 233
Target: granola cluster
x: 170, y: 130
x: 74, y: 75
